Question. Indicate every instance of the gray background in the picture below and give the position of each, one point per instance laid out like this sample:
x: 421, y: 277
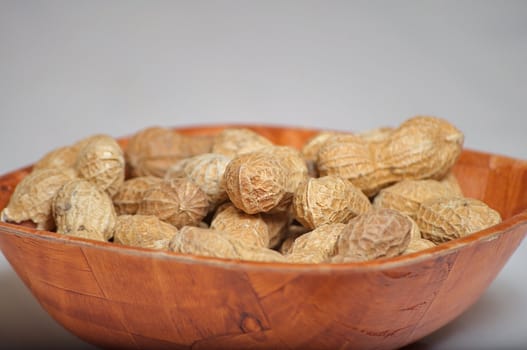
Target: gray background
x: 69, y: 69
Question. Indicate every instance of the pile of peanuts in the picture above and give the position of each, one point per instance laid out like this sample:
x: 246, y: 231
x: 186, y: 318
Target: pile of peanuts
x: 342, y: 197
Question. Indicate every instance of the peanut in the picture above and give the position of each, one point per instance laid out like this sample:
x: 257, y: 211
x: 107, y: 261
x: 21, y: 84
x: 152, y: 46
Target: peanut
x: 80, y: 206
x: 101, y: 162
x: 255, y: 182
x: 145, y: 231
x: 208, y: 242
x: 312, y: 147
x: 205, y: 170
x: 235, y: 141
x: 407, y: 195
x: 444, y: 219
x: 153, y: 150
x: 417, y: 245
x: 32, y: 197
x: 327, y: 200
x: 249, y: 229
x: 379, y: 233
x: 131, y: 192
x: 179, y: 202
x: 316, y: 246
x: 420, y: 148
x: 62, y: 157
x: 377, y: 134
x: 293, y: 232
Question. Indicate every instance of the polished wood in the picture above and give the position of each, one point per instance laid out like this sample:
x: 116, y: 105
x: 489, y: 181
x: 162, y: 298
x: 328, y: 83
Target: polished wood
x: 125, y: 297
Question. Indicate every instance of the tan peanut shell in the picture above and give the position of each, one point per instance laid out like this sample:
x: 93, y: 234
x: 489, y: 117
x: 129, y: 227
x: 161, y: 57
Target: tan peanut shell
x: 310, y: 150
x: 260, y: 254
x: 80, y: 144
x: 80, y: 206
x: 101, y: 162
x: 420, y: 148
x: 444, y: 219
x: 208, y: 242
x: 255, y: 182
x: 377, y: 134
x: 452, y: 183
x: 379, y: 233
x: 291, y: 160
x: 328, y: 200
x: 407, y: 195
x: 153, y: 150
x: 203, y: 241
x: 415, y: 231
x: 62, y: 157
x: 179, y: 202
x: 250, y: 229
x: 316, y: 246
x: 235, y: 141
x: 145, y: 231
x: 32, y: 197
x: 131, y: 192
x: 277, y: 225
x: 293, y: 232
x: 205, y: 170
x: 417, y: 245
x: 350, y: 157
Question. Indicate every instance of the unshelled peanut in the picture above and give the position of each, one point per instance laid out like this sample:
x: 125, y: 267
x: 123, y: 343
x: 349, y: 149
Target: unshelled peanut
x: 33, y: 197
x: 420, y: 148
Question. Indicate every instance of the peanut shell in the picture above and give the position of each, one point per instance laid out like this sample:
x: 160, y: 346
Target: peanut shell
x: 377, y: 134
x: 62, y: 157
x: 420, y: 148
x: 293, y: 161
x: 277, y: 225
x: 33, y: 196
x: 407, y: 195
x: 255, y: 182
x: 444, y: 219
x: 153, y: 150
x: 205, y: 170
x: 235, y: 141
x: 328, y: 200
x: 179, y: 202
x: 250, y: 229
x: 101, y: 162
x: 312, y: 146
x: 451, y: 182
x: 80, y: 206
x: 417, y: 245
x: 208, y: 242
x: 350, y: 157
x: 145, y: 231
x: 131, y: 192
x: 316, y: 246
x: 379, y: 233
x: 293, y: 232
x: 310, y: 150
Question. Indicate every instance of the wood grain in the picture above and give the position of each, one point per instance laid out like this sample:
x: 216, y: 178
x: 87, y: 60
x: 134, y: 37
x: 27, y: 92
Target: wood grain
x: 125, y: 297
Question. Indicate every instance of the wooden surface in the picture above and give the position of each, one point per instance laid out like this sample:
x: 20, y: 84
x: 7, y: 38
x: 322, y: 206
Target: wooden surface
x: 137, y: 298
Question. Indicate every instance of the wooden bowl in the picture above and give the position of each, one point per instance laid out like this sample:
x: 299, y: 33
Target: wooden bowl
x: 125, y: 297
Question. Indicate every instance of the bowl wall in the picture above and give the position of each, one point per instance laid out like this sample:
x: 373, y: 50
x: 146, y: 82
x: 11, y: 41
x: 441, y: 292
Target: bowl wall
x: 139, y: 298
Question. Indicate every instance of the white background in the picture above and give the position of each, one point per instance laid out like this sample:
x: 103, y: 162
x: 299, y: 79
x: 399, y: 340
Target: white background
x: 69, y: 69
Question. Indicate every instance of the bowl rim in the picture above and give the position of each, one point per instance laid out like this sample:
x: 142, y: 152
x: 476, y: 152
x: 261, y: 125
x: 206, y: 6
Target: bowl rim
x: 489, y: 234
